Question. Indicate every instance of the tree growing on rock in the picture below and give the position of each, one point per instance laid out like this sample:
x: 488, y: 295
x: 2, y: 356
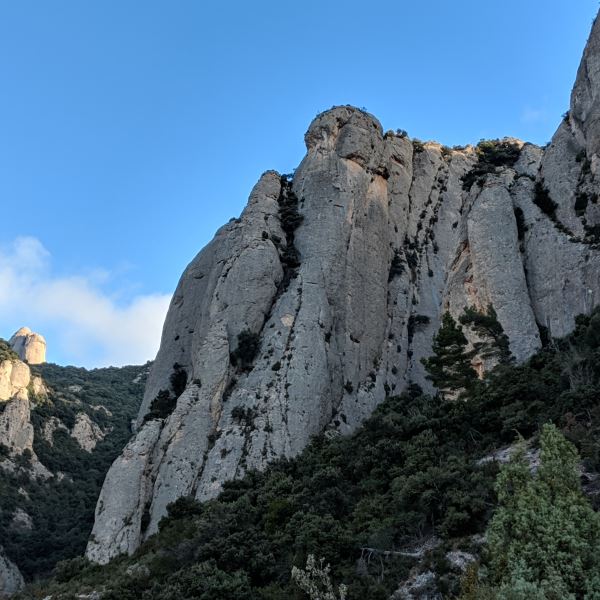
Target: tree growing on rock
x: 450, y: 369
x: 494, y: 342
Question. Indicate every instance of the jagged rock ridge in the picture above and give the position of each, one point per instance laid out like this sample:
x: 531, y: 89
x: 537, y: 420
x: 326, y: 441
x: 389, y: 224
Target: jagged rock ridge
x: 336, y: 281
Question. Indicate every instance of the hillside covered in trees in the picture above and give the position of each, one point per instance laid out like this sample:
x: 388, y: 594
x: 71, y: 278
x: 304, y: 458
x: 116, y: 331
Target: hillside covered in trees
x: 81, y: 421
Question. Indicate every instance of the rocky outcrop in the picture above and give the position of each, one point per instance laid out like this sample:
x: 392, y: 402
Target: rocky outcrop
x: 14, y: 379
x: 16, y: 430
x: 324, y: 295
x: 30, y: 346
x: 86, y: 432
x: 11, y: 580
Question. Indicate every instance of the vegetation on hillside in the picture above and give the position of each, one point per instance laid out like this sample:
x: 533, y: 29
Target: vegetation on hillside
x: 6, y: 352
x: 367, y: 502
x: 62, y: 507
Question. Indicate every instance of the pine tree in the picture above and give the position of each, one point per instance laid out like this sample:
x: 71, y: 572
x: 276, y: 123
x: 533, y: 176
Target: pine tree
x: 450, y: 367
x: 495, y: 343
x: 543, y: 539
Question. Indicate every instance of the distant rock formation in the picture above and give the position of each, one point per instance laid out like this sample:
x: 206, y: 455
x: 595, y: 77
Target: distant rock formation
x: 322, y: 298
x: 30, y: 346
x: 86, y: 432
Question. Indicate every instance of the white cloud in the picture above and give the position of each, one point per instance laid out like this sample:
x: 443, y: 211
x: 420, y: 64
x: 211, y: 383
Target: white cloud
x: 90, y: 327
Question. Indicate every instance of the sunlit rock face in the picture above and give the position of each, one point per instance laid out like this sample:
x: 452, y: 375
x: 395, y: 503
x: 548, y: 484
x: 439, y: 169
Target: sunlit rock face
x: 30, y: 346
x: 339, y: 277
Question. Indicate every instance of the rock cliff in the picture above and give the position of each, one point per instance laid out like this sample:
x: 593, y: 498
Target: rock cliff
x: 324, y: 295
x: 31, y: 347
x: 16, y: 429
x: 11, y: 580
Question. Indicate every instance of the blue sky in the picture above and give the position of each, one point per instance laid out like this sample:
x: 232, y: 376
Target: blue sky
x: 130, y: 131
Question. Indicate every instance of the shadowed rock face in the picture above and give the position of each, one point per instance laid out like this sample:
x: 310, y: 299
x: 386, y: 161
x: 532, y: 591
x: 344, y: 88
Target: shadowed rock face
x: 30, y: 346
x: 11, y: 580
x: 344, y: 304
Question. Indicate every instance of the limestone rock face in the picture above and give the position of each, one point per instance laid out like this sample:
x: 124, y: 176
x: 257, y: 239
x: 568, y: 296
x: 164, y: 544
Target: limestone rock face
x: 30, y: 346
x: 11, y: 580
x: 14, y: 378
x: 339, y: 278
x: 86, y: 432
x: 16, y: 430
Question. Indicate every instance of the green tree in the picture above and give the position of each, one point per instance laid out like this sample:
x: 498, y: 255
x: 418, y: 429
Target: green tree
x: 495, y: 343
x: 543, y: 540
x: 450, y: 367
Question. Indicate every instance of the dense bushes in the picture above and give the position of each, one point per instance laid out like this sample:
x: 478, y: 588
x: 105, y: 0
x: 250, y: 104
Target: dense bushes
x: 161, y: 406
x: 6, y: 352
x: 247, y: 349
x: 290, y: 219
x: 491, y: 155
x: 542, y: 200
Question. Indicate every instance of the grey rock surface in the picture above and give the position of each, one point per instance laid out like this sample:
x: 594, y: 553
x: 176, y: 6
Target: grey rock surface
x: 16, y: 428
x: 86, y: 432
x: 11, y: 580
x: 344, y: 300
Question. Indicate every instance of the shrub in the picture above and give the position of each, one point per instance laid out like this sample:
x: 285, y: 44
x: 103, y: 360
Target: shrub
x: 396, y: 266
x: 418, y: 146
x: 290, y: 219
x: 491, y: 156
x: 314, y: 581
x: 162, y: 406
x: 178, y: 380
x: 415, y: 321
x: 6, y: 352
x: 247, y: 349
x: 543, y: 201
